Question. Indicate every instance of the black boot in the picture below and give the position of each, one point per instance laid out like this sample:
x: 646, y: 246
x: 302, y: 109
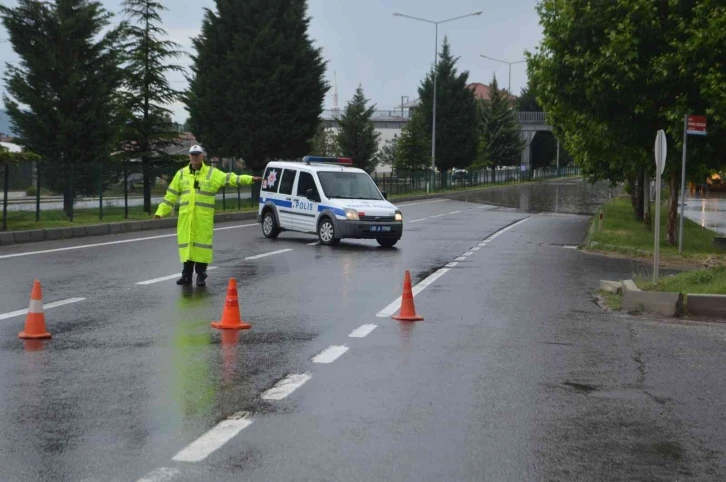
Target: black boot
x: 201, y: 269
x: 186, y: 277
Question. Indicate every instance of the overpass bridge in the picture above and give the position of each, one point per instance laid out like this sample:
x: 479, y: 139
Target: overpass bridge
x: 390, y: 122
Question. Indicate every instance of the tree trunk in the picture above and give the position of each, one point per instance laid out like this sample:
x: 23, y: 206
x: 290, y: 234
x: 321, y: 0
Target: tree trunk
x: 147, y: 185
x: 639, y: 206
x: 672, y: 225
x: 632, y: 187
x: 647, y: 221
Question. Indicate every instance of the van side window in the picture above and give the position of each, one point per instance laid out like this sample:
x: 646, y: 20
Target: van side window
x: 287, y: 181
x: 271, y: 181
x: 305, y: 182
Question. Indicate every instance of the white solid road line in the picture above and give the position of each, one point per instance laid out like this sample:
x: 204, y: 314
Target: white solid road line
x: 417, y: 220
x: 438, y: 216
x: 425, y: 202
x: 330, y: 354
x: 363, y: 331
x: 160, y: 475
x: 314, y: 244
x: 109, y: 243
x: 286, y: 386
x: 455, y: 212
x: 55, y: 304
x: 166, y: 278
x: 201, y: 448
x: 396, y: 305
x: 264, y: 255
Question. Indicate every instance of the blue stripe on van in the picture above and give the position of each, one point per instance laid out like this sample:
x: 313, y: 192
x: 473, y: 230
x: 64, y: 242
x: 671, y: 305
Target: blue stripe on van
x: 276, y: 202
x: 336, y: 211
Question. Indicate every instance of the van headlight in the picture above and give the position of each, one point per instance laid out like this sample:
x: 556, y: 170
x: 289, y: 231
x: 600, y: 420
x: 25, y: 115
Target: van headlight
x: 351, y: 215
x: 399, y: 216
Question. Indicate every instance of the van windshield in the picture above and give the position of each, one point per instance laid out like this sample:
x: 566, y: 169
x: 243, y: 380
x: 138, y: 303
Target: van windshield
x: 348, y: 185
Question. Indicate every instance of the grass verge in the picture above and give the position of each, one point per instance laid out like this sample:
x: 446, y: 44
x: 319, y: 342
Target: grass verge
x: 25, y: 220
x: 711, y: 281
x: 612, y: 300
x: 620, y: 233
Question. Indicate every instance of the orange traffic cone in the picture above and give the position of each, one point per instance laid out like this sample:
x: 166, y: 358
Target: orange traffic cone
x: 408, y: 310
x: 35, y: 321
x: 231, y: 318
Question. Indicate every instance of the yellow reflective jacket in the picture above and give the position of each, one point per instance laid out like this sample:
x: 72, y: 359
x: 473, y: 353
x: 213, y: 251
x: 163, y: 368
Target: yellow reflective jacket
x: 195, y: 227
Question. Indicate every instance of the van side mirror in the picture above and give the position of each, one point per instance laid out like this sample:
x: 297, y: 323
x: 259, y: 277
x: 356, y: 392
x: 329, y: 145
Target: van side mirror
x: 385, y: 195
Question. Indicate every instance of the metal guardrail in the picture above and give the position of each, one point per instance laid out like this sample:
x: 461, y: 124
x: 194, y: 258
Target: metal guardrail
x: 531, y: 118
x: 398, y: 116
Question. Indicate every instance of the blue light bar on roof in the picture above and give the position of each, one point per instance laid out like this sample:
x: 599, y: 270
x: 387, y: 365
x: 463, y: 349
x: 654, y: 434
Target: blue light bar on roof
x: 328, y: 160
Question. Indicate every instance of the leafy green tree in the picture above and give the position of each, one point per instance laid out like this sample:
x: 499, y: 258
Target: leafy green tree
x: 630, y: 68
x: 501, y: 142
x: 62, y: 97
x: 456, y: 113
x: 413, y: 152
x: 527, y: 100
x: 258, y: 85
x: 387, y: 154
x: 325, y: 142
x: 149, y: 129
x: 358, y: 138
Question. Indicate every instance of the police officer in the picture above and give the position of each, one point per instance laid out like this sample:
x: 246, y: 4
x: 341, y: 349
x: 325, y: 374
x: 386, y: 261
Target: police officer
x: 197, y: 185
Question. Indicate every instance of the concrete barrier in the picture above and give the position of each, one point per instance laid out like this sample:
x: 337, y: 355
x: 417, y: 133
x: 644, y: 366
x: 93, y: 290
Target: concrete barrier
x: 664, y: 304
x: 709, y: 305
x: 7, y: 238
x: 611, y: 286
x: 629, y: 285
x: 22, y: 236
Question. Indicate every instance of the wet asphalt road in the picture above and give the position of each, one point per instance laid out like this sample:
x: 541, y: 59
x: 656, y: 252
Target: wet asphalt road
x: 515, y: 373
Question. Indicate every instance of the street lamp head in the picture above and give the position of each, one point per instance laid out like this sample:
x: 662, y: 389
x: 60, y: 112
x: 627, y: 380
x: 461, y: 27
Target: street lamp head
x: 397, y: 14
x: 477, y: 13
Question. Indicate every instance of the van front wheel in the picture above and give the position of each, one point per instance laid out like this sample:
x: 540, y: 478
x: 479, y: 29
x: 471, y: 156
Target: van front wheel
x: 326, y: 232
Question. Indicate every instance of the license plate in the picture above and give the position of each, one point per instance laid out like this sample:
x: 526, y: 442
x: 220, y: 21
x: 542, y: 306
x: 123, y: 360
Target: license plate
x: 380, y: 229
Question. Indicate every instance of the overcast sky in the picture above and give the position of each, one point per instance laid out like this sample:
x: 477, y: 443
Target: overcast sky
x: 365, y: 44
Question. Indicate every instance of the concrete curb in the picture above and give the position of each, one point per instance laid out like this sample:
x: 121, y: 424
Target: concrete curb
x: 664, y: 304
x: 708, y: 305
x: 52, y: 234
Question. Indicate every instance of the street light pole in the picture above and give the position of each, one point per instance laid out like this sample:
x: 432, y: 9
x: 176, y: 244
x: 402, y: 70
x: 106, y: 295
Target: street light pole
x: 509, y: 87
x: 436, y: 64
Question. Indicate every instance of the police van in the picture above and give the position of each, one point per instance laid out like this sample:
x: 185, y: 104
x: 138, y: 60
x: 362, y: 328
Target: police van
x: 327, y: 197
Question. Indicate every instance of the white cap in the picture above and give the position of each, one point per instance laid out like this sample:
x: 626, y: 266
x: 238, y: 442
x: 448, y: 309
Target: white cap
x: 196, y: 150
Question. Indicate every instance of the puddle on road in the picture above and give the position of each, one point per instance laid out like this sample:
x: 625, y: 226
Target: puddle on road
x: 575, y: 197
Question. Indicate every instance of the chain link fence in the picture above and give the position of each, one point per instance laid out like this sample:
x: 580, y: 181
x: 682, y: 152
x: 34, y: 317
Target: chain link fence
x: 408, y: 183
x: 37, y: 195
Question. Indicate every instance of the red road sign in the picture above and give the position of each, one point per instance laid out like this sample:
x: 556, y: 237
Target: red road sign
x: 697, y: 125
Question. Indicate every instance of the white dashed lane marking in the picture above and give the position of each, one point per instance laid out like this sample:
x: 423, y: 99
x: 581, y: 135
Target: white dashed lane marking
x: 55, y: 304
x: 286, y: 386
x: 160, y: 475
x: 395, y: 306
x: 166, y: 278
x: 205, y: 445
x: 363, y: 331
x: 330, y: 354
x: 264, y: 255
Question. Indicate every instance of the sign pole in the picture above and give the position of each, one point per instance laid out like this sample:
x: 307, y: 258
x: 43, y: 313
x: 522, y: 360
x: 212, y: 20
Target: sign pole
x: 661, y: 149
x: 683, y: 184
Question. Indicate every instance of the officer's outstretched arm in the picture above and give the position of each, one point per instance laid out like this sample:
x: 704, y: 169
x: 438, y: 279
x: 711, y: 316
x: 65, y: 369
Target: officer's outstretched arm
x: 172, y: 194
x: 230, y: 179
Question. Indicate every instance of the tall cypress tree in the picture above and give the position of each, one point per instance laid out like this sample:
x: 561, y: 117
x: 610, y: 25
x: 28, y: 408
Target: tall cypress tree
x: 456, y: 116
x: 258, y: 86
x: 66, y: 83
x: 501, y: 139
x: 149, y: 131
x: 358, y: 138
x: 414, y: 147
